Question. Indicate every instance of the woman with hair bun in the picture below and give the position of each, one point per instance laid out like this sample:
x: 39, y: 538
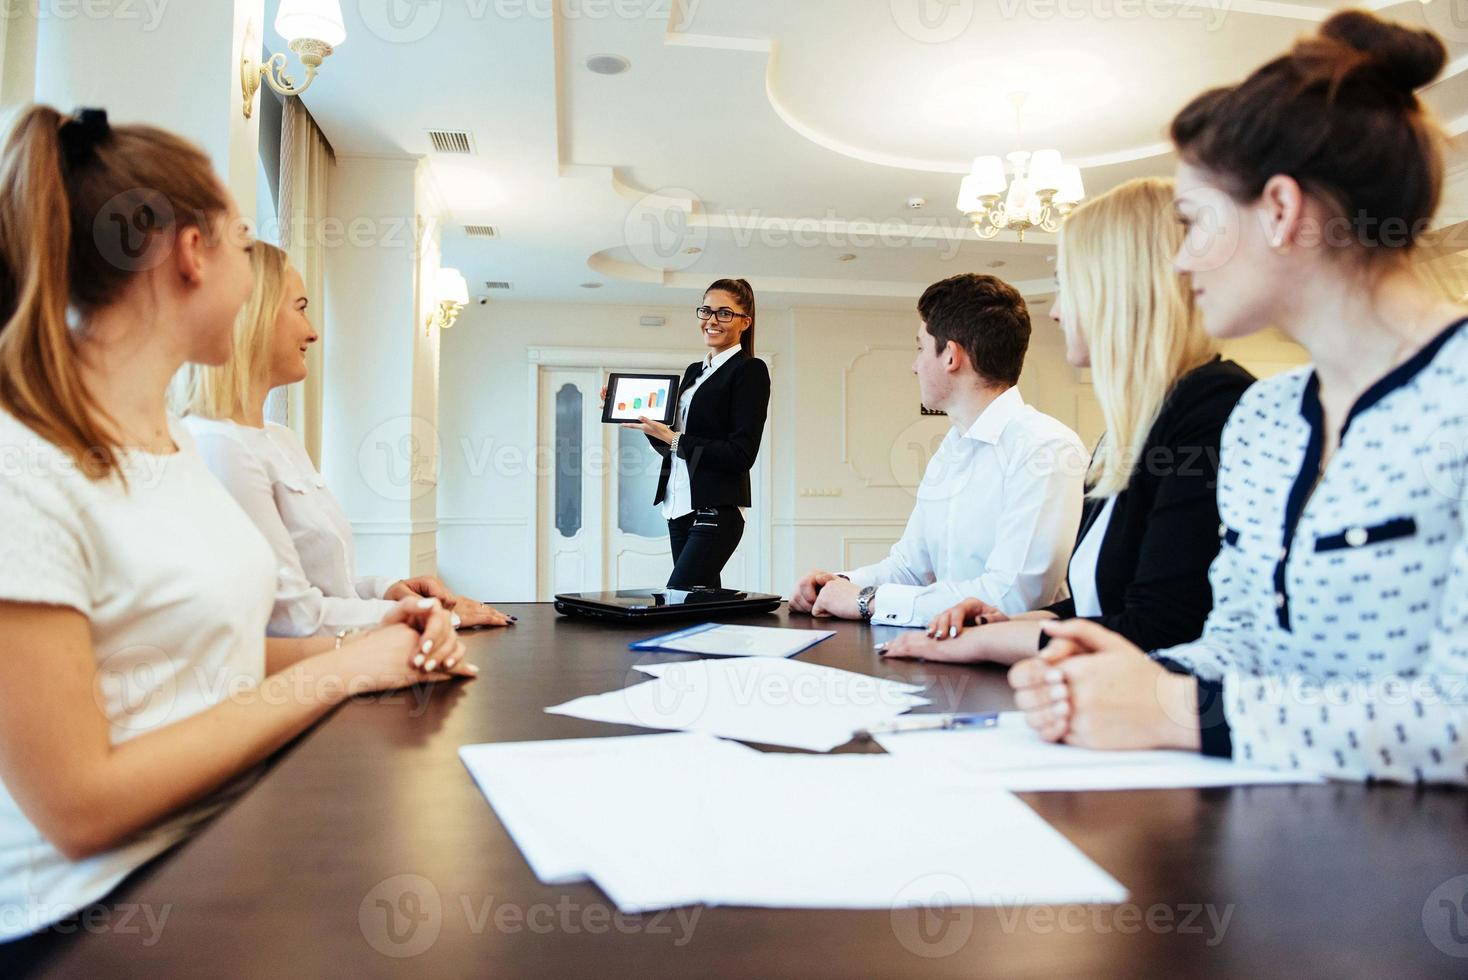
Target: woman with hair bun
x: 1338, y: 639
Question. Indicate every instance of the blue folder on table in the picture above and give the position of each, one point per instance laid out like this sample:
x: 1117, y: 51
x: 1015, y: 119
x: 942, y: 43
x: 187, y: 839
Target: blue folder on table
x: 724, y: 640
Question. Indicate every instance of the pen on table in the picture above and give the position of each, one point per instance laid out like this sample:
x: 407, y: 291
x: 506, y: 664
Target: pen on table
x: 931, y: 723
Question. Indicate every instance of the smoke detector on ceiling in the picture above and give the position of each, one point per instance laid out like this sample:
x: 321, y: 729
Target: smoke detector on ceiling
x: 916, y: 203
x: 455, y: 141
x: 607, y: 64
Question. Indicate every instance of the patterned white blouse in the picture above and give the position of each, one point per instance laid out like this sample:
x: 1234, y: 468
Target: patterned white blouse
x: 1339, y: 635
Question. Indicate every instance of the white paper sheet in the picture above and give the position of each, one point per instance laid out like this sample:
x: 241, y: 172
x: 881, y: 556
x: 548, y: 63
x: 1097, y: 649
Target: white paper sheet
x: 752, y: 699
x: 689, y: 821
x: 1012, y: 756
x: 739, y: 641
x: 852, y: 832
x: 547, y: 793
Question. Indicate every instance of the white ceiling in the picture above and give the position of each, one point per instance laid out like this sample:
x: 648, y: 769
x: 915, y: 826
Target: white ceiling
x: 775, y: 136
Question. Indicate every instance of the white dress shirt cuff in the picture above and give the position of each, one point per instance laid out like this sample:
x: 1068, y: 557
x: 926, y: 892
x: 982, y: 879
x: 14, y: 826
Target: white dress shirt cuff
x: 896, y: 605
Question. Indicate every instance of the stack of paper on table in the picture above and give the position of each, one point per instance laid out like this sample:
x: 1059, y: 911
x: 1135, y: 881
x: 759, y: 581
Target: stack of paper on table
x: 1013, y: 757
x: 753, y: 699
x: 662, y: 821
x: 530, y: 783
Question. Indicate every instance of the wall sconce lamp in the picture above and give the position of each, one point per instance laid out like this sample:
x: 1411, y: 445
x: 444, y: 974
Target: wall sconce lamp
x: 453, y: 295
x: 312, y: 28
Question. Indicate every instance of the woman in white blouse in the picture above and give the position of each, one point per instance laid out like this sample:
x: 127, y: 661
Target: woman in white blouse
x: 137, y: 682
x: 265, y: 467
x: 1338, y: 642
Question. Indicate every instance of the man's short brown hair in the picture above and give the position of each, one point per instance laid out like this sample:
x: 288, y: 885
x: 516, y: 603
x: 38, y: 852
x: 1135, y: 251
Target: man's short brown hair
x: 984, y: 315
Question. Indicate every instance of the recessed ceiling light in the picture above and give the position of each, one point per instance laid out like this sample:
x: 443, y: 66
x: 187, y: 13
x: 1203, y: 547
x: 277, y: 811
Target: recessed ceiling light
x: 997, y: 264
x: 692, y: 250
x: 591, y: 285
x: 848, y: 257
x: 607, y: 64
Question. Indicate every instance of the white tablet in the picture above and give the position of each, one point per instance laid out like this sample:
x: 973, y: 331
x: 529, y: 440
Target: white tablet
x: 632, y: 396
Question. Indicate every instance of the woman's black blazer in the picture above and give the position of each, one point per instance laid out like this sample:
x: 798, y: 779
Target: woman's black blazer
x: 726, y: 422
x: 1152, y: 572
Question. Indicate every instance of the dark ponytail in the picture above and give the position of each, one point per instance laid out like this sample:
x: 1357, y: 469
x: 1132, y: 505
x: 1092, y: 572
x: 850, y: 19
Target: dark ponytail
x: 83, y: 208
x: 744, y: 293
x: 1339, y: 114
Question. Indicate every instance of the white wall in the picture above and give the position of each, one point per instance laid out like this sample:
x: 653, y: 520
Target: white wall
x: 374, y: 454
x: 175, y: 65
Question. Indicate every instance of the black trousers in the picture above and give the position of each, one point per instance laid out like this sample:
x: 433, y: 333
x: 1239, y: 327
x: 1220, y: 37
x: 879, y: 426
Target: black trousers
x: 703, y: 543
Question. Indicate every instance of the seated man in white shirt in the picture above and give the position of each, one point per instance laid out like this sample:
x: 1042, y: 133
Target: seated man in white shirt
x: 1000, y: 503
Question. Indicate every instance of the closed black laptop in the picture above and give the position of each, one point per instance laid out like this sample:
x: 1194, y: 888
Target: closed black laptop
x: 642, y: 605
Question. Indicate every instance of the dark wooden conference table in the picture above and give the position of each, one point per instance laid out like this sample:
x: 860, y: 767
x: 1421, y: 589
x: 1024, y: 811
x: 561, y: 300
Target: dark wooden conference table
x: 366, y: 850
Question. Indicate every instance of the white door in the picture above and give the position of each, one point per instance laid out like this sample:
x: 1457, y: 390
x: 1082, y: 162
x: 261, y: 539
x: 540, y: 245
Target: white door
x: 570, y: 532
x: 599, y: 529
x: 639, y: 554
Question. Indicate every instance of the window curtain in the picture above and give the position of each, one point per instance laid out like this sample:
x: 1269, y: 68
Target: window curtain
x: 306, y: 160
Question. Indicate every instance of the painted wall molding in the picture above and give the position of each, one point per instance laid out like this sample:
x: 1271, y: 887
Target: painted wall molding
x: 393, y: 528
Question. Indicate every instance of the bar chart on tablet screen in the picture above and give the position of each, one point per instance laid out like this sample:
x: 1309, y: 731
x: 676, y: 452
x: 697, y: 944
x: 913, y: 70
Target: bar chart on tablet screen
x: 640, y: 396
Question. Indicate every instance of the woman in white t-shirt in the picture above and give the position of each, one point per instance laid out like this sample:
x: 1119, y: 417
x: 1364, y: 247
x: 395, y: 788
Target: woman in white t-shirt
x: 138, y: 686
x: 266, y: 469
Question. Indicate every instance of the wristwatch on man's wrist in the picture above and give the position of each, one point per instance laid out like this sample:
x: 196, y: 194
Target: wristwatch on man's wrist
x: 864, y: 601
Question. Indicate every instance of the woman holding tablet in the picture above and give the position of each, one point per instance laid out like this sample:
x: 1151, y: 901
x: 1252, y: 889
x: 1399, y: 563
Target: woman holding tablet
x: 714, y: 441
x: 266, y: 469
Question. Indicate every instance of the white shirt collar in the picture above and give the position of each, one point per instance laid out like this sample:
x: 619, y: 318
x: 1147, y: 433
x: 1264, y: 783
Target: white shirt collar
x: 990, y: 424
x: 712, y: 362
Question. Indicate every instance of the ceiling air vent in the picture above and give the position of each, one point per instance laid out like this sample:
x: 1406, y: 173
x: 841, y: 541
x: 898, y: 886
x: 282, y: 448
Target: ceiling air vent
x: 481, y: 231
x: 451, y: 141
x: 496, y: 284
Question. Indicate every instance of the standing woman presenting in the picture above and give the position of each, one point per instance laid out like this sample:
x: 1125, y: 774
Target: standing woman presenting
x: 706, y: 460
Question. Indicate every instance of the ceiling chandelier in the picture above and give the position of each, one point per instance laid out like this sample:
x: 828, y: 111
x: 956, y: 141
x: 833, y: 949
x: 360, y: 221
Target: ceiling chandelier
x: 1042, y: 191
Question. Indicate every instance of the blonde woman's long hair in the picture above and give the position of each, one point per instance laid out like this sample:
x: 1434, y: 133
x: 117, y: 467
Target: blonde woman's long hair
x: 224, y: 391
x: 1136, y: 314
